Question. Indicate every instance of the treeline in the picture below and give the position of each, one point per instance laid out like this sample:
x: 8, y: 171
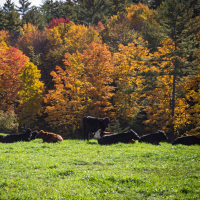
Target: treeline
x: 137, y: 63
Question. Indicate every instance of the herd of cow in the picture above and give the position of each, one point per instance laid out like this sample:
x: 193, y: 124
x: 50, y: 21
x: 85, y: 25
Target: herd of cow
x: 97, y: 127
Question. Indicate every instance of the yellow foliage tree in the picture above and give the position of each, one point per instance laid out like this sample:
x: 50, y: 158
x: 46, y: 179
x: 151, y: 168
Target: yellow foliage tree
x: 158, y: 109
x: 30, y: 96
x: 79, y: 36
x: 129, y: 78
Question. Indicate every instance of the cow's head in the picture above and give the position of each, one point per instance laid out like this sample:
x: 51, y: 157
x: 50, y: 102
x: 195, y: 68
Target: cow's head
x: 134, y: 134
x: 163, y: 135
x: 106, y: 122
x: 97, y: 134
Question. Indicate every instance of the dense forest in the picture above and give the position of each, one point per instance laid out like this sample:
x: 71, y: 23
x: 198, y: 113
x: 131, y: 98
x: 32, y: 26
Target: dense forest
x: 137, y: 62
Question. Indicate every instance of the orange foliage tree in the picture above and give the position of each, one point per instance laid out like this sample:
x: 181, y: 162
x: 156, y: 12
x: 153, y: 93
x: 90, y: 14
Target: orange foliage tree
x: 12, y: 64
x: 82, y: 88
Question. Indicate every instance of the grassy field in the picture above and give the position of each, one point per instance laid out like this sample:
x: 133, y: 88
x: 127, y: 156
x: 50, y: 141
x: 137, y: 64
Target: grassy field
x: 77, y: 169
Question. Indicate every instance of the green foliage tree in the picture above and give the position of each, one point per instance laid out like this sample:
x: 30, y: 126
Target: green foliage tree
x: 118, y: 6
x: 8, y: 6
x: 175, y: 16
x: 3, y: 20
x: 119, y: 30
x: 24, y: 8
x: 48, y: 10
x: 35, y: 17
x: 8, y: 121
x: 92, y: 11
x: 13, y: 19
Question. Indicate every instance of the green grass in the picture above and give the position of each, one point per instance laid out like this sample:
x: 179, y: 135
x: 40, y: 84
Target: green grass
x: 77, y: 169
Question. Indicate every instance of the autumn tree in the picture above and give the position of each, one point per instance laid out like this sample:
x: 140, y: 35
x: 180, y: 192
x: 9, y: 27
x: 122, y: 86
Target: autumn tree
x: 129, y: 77
x: 119, y: 30
x: 178, y: 24
x: 30, y: 96
x: 12, y: 64
x: 57, y: 21
x: 82, y: 88
x: 79, y: 36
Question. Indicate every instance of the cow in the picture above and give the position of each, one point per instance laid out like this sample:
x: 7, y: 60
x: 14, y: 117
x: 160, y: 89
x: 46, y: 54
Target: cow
x: 124, y: 137
x: 184, y: 134
x: 49, y: 137
x: 34, y: 134
x: 187, y: 140
x: 93, y: 124
x: 1, y: 137
x: 154, y: 138
x: 99, y: 134
x: 26, y: 136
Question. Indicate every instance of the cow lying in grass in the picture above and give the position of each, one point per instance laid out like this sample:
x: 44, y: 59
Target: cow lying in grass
x: 125, y: 137
x: 1, y: 137
x: 99, y: 134
x: 49, y: 137
x: 26, y: 136
x: 34, y: 134
x: 187, y: 140
x: 154, y: 138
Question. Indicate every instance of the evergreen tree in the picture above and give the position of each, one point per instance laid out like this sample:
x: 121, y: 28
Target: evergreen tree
x: 13, y: 19
x: 67, y: 9
x: 24, y: 8
x: 3, y: 20
x: 35, y: 17
x: 154, y: 4
x: 176, y: 18
x: 118, y: 6
x: 137, y: 1
x: 92, y: 11
x: 8, y: 6
x: 48, y: 10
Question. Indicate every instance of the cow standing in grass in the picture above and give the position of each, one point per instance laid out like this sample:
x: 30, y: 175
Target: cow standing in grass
x: 93, y: 124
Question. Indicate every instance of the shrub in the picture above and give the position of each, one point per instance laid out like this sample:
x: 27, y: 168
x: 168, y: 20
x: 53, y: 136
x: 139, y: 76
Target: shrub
x: 8, y: 121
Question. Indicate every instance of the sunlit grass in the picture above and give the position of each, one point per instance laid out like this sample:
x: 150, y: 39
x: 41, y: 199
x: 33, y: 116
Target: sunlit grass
x: 77, y: 169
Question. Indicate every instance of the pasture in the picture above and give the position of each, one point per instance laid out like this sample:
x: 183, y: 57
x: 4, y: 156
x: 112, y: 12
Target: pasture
x: 77, y: 169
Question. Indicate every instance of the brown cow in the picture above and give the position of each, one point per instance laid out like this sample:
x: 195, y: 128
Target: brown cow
x: 49, y: 137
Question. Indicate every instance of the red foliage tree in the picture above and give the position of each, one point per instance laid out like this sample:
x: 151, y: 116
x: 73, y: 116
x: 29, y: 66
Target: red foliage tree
x: 56, y: 22
x: 12, y: 64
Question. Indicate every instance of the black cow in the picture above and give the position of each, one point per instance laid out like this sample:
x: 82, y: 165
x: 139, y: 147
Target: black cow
x: 124, y: 137
x: 34, y: 134
x: 154, y: 138
x: 93, y: 124
x: 1, y: 137
x: 187, y: 140
x: 16, y: 138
